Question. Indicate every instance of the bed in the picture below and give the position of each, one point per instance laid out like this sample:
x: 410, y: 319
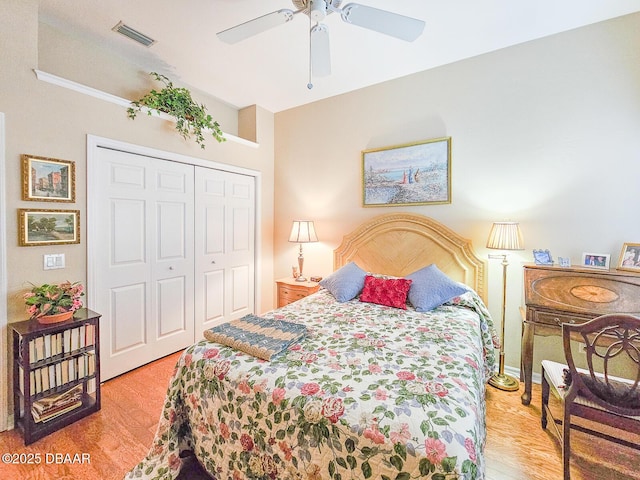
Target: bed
x: 370, y: 391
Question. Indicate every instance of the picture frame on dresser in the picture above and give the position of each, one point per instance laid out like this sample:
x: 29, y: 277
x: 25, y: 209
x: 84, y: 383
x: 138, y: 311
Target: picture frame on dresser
x: 596, y: 260
x: 542, y: 257
x: 630, y: 257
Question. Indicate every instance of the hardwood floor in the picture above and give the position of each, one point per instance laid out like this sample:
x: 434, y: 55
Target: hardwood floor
x: 118, y: 436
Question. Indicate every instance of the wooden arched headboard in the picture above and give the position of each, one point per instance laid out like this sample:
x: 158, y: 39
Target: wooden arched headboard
x: 401, y: 243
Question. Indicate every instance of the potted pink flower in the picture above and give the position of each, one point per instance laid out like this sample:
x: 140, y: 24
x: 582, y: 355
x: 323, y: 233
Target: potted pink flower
x: 54, y: 303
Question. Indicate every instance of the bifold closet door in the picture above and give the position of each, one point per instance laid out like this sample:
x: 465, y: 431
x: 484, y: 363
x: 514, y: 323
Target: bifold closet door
x: 225, y: 247
x: 145, y: 258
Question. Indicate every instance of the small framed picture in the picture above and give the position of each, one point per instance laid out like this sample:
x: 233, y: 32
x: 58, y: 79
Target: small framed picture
x: 542, y: 257
x: 48, y: 227
x: 564, y: 261
x: 596, y: 260
x: 630, y: 257
x: 48, y: 179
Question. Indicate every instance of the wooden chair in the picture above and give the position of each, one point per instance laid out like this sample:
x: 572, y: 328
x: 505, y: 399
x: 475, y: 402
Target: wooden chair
x: 594, y: 393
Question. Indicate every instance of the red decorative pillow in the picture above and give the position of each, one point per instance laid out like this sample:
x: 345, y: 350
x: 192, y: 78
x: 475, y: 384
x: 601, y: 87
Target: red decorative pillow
x: 386, y: 291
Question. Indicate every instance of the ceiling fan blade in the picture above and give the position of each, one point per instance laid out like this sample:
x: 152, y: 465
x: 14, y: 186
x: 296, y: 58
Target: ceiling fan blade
x: 393, y: 24
x: 255, y: 26
x: 320, y: 51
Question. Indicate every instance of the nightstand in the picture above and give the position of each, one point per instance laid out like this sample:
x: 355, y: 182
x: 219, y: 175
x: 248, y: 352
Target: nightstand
x: 290, y: 290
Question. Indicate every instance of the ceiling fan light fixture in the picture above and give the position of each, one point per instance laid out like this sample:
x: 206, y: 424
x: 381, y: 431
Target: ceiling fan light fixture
x: 317, y: 10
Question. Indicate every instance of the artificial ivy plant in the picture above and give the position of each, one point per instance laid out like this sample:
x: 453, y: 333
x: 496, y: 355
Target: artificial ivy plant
x: 191, y: 118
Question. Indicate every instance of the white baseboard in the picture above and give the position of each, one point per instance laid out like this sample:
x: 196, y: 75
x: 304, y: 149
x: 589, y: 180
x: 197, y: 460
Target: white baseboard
x: 515, y: 372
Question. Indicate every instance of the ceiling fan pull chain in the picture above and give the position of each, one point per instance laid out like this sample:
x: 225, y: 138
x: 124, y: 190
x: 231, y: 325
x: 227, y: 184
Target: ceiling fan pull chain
x: 310, y: 85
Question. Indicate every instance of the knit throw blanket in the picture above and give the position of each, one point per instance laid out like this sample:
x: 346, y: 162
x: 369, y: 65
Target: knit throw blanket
x: 261, y: 337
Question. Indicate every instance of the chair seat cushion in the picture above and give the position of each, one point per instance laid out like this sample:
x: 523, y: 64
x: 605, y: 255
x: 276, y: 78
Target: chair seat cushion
x: 555, y: 371
x: 616, y: 392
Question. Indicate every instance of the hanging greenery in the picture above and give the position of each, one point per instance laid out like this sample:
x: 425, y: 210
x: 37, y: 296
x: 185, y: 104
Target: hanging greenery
x: 191, y: 118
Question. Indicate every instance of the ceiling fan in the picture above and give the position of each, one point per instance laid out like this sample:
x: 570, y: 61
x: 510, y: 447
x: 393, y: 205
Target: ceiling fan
x: 382, y: 21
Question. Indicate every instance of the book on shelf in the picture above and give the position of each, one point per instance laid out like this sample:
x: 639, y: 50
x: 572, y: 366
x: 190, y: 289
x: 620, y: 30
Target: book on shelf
x: 32, y: 351
x: 57, y: 404
x: 46, y: 346
x: 38, y: 380
x: 66, y: 341
x: 39, y: 348
x: 44, y: 373
x: 59, y: 374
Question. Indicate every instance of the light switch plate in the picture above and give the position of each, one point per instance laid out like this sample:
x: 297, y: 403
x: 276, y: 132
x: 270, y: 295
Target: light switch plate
x: 53, y: 261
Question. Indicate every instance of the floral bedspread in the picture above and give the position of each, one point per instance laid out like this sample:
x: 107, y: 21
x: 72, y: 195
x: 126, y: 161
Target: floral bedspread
x: 371, y: 392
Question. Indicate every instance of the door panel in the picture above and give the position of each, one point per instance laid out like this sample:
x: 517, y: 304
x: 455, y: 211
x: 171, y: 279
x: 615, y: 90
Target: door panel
x: 130, y: 248
x: 224, y: 282
x: 240, y: 292
x: 126, y: 175
x: 128, y: 319
x: 171, y: 308
x: 171, y: 236
x: 215, y: 229
x: 241, y: 230
x: 214, y: 291
x: 145, y: 286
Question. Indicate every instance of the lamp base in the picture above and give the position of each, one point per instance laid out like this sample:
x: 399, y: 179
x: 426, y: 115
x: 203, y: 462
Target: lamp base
x: 505, y: 382
x: 300, y: 278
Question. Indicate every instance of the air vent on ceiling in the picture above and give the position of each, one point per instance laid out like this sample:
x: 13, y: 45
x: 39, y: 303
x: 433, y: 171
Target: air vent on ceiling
x: 134, y: 35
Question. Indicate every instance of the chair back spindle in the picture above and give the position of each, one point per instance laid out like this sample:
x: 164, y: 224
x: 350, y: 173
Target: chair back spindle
x: 612, y: 349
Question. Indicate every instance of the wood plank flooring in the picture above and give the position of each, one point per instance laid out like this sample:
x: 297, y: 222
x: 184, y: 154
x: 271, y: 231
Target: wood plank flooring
x: 118, y: 436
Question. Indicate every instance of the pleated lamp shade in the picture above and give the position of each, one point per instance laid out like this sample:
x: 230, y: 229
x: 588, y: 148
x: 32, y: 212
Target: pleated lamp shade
x: 505, y: 236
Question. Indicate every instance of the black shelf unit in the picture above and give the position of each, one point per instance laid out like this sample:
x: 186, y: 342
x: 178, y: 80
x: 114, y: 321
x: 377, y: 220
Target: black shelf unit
x: 33, y: 357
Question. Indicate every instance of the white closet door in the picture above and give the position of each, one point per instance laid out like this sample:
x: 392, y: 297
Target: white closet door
x: 144, y: 289
x: 225, y: 247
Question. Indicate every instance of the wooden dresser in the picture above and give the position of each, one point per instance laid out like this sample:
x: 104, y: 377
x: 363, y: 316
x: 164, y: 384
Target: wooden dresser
x: 290, y: 290
x: 555, y: 295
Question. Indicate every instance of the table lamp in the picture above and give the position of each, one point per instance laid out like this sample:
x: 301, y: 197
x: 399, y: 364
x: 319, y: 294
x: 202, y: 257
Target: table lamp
x: 302, y: 231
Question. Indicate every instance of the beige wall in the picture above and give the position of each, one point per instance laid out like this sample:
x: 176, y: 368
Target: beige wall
x: 544, y: 133
x: 47, y: 120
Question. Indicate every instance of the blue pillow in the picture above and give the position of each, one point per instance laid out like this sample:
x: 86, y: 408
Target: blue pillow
x: 430, y: 288
x: 345, y: 283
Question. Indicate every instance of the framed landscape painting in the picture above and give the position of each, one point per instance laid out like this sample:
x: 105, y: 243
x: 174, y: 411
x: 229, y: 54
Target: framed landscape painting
x: 48, y: 227
x: 48, y: 179
x: 411, y: 174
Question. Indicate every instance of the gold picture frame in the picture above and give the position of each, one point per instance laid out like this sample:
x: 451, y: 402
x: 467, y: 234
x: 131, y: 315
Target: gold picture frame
x: 629, y: 257
x: 48, y: 179
x: 410, y: 174
x: 48, y: 227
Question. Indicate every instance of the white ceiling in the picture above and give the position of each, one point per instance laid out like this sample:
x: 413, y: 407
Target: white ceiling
x: 272, y: 69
